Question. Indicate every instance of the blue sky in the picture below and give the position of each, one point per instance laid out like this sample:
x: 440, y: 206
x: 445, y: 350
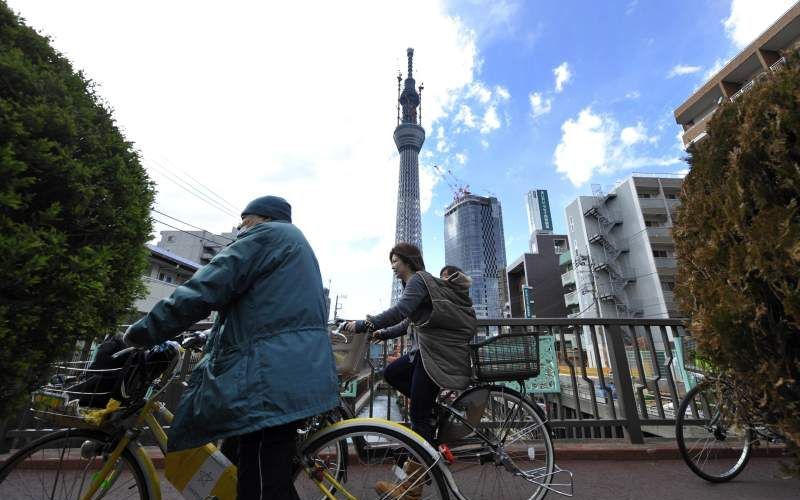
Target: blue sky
x: 631, y: 64
x: 298, y: 99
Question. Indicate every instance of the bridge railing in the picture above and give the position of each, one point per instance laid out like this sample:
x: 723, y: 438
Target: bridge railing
x: 601, y: 378
x: 608, y: 378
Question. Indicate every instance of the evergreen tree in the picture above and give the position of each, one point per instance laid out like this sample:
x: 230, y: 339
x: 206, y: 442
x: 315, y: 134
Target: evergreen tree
x: 74, y: 211
x: 738, y: 244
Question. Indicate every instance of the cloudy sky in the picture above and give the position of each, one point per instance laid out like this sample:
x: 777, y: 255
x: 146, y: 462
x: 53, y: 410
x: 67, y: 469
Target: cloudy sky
x: 239, y: 99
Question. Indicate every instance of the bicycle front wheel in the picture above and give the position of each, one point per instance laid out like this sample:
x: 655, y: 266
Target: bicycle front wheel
x: 389, y: 462
x: 712, y: 443
x: 63, y: 465
x: 512, y: 457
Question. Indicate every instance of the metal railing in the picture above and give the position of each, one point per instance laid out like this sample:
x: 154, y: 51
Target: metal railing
x: 617, y: 378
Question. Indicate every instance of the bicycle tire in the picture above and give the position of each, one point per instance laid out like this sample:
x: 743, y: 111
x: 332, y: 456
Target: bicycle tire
x: 698, y: 394
x: 392, y: 446
x: 49, y: 463
x: 496, y: 482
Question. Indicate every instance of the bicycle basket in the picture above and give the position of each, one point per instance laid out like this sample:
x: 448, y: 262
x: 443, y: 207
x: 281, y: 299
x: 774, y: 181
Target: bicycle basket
x: 506, y: 357
x: 349, y: 356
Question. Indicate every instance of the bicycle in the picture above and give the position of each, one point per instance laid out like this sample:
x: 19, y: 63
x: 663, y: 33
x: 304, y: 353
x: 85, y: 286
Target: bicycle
x: 493, y: 439
x: 715, y: 437
x: 100, y: 455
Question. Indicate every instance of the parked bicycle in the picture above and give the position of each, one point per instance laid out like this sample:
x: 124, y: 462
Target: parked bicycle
x: 714, y: 433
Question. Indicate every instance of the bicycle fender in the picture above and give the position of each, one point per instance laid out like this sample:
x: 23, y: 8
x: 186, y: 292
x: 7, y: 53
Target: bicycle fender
x: 152, y: 483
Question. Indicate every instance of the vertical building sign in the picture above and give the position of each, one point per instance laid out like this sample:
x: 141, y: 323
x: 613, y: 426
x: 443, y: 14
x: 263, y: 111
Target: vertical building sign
x: 527, y: 298
x: 544, y: 209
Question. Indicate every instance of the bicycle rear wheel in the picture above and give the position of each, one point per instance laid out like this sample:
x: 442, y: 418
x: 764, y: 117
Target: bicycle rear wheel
x: 393, y: 463
x: 523, y: 466
x: 712, y: 444
x: 62, y: 465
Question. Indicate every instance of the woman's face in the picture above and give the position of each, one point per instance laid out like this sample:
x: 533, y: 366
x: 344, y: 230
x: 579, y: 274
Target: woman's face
x: 401, y: 269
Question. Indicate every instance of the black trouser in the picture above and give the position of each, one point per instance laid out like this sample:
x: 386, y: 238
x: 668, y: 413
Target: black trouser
x: 409, y: 377
x: 266, y: 463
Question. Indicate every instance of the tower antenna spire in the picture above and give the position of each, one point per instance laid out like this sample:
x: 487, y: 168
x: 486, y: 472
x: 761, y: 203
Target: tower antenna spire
x: 410, y: 53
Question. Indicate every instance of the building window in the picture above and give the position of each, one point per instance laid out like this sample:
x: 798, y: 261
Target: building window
x: 660, y: 253
x: 170, y: 239
x: 671, y: 196
x: 571, y: 224
x: 668, y: 286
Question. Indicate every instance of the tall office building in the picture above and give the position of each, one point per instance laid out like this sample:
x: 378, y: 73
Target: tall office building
x: 474, y: 241
x: 408, y: 137
x: 739, y: 75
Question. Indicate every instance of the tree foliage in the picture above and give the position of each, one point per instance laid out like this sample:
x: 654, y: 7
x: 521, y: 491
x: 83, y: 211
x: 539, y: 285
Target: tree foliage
x: 74, y: 211
x: 738, y: 244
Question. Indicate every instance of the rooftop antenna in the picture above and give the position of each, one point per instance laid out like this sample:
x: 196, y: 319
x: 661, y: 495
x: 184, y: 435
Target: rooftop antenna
x: 421, y: 86
x: 399, y: 79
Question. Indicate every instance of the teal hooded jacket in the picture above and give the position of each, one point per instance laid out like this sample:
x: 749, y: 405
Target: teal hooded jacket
x: 268, y: 360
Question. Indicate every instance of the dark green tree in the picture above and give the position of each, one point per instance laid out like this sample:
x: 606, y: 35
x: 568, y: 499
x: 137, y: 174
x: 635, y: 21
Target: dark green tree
x: 738, y: 244
x: 74, y: 211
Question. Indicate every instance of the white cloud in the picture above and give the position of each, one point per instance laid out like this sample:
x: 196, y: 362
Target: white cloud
x: 484, y: 144
x: 539, y: 105
x: 461, y: 158
x: 583, y: 147
x: 260, y: 123
x: 563, y: 76
x: 490, y: 120
x: 590, y: 144
x: 633, y: 95
x: 479, y: 91
x: 632, y: 135
x: 465, y: 116
x: 749, y: 18
x: 502, y: 93
x: 683, y: 69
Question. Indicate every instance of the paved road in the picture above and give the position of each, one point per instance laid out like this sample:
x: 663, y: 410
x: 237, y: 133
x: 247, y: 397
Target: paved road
x: 661, y: 479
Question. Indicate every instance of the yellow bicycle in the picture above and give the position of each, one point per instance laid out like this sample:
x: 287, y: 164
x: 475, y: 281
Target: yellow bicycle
x: 100, y: 455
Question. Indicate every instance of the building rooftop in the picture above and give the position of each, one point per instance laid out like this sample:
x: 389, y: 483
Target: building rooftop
x: 739, y: 74
x: 177, y: 259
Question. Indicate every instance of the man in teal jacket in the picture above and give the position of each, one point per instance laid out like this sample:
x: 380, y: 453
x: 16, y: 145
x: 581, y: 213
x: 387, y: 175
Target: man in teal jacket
x: 269, y: 362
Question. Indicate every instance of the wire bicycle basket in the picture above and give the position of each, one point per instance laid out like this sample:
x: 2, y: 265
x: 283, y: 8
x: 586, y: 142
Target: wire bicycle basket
x: 506, y: 357
x: 349, y: 351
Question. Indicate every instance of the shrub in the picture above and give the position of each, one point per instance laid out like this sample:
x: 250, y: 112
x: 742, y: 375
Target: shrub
x: 738, y: 245
x: 74, y: 211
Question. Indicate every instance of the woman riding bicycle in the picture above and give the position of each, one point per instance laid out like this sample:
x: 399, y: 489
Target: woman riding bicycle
x: 442, y: 324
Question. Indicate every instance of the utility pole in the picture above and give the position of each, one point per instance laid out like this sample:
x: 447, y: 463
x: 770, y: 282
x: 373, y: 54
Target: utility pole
x: 337, y: 307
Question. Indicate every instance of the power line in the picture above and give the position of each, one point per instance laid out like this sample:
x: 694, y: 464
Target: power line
x: 191, y: 190
x: 208, y: 189
x: 190, y: 225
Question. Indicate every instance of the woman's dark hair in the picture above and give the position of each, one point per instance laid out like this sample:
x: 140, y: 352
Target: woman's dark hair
x: 450, y: 270
x: 410, y: 255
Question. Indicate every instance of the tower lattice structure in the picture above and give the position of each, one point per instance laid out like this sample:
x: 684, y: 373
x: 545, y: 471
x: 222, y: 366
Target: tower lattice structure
x: 408, y: 137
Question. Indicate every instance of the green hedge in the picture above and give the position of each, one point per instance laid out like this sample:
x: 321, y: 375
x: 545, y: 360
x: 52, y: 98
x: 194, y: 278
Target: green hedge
x: 74, y: 211
x: 738, y: 245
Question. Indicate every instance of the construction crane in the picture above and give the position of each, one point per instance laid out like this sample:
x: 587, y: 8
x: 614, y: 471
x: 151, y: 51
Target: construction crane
x: 457, y: 187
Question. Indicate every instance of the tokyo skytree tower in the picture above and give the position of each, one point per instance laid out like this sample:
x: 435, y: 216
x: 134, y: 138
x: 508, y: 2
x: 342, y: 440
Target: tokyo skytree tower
x: 409, y: 137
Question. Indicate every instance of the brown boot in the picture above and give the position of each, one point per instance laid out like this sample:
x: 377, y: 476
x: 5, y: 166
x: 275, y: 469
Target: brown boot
x: 409, y: 488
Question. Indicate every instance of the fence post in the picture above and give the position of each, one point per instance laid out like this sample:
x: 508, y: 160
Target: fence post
x: 622, y: 380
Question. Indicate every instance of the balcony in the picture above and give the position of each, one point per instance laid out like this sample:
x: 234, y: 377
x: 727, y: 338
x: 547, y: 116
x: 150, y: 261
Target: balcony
x: 695, y: 131
x: 665, y: 263
x: 660, y: 234
x: 568, y: 278
x: 571, y: 298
